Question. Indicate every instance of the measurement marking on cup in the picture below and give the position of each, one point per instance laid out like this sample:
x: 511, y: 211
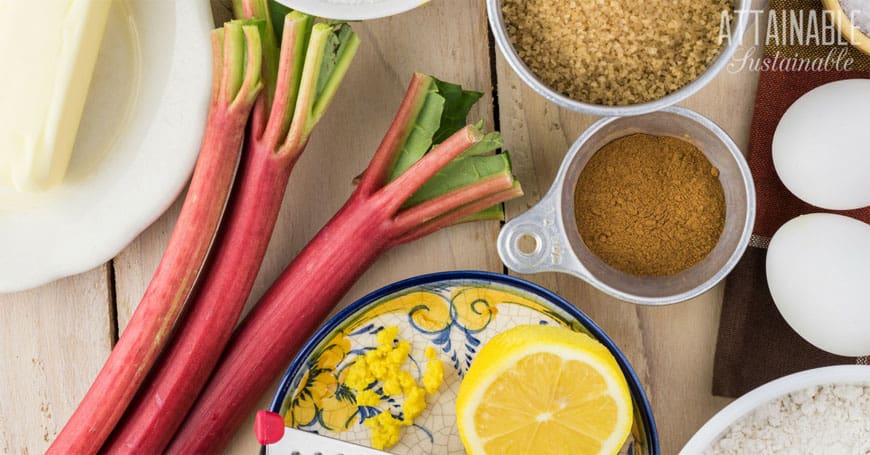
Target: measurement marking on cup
x: 549, y: 224
x: 556, y: 252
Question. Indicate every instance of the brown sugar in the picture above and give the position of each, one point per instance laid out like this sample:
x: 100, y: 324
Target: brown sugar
x: 616, y: 52
x: 650, y: 205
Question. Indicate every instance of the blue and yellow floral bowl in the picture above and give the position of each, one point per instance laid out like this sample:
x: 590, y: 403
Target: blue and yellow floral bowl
x: 454, y: 312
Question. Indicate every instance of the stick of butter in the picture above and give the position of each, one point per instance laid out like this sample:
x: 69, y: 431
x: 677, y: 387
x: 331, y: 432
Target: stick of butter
x: 48, y: 49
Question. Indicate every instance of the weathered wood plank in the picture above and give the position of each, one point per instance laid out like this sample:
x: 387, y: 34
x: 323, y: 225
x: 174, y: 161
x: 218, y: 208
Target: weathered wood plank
x: 54, y: 340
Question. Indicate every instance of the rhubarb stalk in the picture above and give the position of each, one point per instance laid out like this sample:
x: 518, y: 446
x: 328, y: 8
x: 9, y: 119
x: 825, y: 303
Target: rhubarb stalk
x: 456, y: 179
x: 313, y: 60
x: 235, y: 87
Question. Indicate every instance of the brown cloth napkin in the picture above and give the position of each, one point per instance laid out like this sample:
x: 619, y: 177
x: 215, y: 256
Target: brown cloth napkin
x: 755, y: 344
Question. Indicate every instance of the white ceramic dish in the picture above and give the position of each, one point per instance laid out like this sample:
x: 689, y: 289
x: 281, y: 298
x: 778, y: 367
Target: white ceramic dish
x: 353, y: 9
x: 136, y: 147
x: 741, y: 408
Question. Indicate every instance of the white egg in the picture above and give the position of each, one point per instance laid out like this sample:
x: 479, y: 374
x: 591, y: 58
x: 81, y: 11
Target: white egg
x: 818, y: 271
x: 821, y: 148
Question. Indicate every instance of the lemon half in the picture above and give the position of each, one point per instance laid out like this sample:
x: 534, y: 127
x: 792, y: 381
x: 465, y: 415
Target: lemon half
x: 538, y: 389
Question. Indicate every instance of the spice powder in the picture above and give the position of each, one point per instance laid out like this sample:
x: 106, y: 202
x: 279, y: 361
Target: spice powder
x: 650, y: 205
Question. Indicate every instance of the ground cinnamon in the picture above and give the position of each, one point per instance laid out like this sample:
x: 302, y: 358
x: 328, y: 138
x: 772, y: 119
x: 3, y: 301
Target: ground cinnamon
x: 650, y: 205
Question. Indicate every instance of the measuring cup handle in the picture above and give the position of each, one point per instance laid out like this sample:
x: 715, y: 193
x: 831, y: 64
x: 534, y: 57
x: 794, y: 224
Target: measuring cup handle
x: 551, y: 252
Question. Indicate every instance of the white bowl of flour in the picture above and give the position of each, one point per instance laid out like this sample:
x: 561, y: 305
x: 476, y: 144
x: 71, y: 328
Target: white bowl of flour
x: 353, y: 9
x: 819, y: 411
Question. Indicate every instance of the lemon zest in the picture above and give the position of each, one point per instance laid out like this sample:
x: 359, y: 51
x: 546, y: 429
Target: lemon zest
x: 386, y: 430
x: 384, y: 364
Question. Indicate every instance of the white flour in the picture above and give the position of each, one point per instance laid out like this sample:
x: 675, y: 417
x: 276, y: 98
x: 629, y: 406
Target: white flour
x: 858, y: 12
x: 827, y: 420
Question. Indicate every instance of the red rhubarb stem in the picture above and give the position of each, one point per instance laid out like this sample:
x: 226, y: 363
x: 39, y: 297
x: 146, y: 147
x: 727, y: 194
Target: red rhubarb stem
x: 369, y: 223
x: 151, y: 324
x: 302, y: 297
x: 185, y: 366
x: 459, y: 214
x: 265, y: 344
x: 239, y: 251
x: 433, y: 208
x: 381, y: 165
x: 397, y: 192
x: 289, y: 68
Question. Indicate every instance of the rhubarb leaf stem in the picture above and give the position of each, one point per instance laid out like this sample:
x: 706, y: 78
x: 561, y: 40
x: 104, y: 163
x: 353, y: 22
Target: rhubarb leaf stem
x: 348, y: 45
x: 397, y: 192
x: 419, y: 214
x: 423, y: 128
x: 234, y: 67
x: 252, y: 83
x: 290, y: 311
x: 217, y: 65
x: 297, y: 135
x: 381, y: 166
x: 461, y: 214
x: 461, y: 172
x: 259, y: 9
x: 297, y: 27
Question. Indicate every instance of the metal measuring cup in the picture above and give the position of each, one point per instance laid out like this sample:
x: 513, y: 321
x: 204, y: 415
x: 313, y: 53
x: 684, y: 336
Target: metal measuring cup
x: 558, y: 247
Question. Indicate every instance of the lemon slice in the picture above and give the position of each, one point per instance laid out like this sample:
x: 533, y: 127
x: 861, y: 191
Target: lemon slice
x: 538, y: 389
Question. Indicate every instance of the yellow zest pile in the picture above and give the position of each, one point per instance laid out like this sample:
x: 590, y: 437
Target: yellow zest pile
x: 384, y: 364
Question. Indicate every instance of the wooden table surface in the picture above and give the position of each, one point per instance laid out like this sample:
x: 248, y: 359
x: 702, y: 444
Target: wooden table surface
x: 56, y: 337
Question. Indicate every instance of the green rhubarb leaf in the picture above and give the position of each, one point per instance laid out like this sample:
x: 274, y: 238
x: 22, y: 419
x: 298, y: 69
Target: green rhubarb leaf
x: 444, y: 113
x: 419, y: 141
x: 336, y: 46
x: 460, y: 173
x: 490, y: 143
x: 457, y: 105
x: 330, y: 57
x: 495, y: 212
x: 339, y: 50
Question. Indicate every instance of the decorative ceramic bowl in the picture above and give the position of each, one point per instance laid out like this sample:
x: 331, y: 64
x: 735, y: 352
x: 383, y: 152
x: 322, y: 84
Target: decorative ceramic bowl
x: 454, y: 312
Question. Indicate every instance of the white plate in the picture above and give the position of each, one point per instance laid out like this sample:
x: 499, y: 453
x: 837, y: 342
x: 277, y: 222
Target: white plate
x: 353, y: 9
x: 135, y: 149
x: 742, y: 407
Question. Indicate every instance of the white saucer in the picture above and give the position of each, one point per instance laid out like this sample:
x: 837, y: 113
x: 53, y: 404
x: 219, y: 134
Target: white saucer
x: 135, y: 149
x: 353, y: 9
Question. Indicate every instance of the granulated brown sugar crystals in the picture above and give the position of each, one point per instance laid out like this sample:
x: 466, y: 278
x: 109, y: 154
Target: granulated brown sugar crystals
x: 616, y: 52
